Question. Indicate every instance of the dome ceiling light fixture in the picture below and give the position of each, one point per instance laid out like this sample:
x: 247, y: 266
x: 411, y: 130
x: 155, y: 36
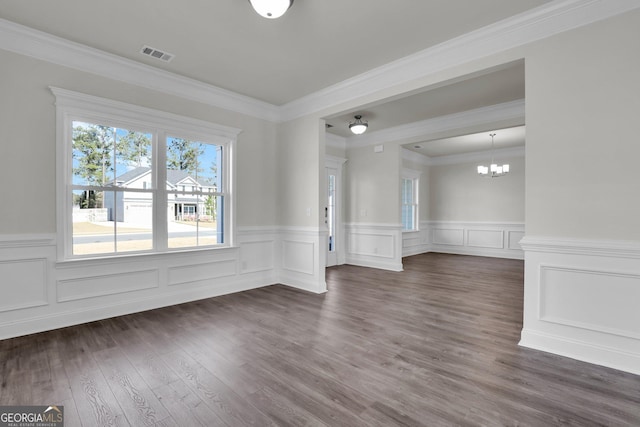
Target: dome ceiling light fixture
x: 358, y: 126
x: 271, y: 9
x: 493, y: 170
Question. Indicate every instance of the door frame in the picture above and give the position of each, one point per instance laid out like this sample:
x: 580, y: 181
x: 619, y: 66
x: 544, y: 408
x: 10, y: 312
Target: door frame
x: 337, y: 163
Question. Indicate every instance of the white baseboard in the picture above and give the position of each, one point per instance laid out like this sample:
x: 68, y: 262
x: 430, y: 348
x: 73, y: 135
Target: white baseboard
x: 305, y: 285
x: 581, y: 300
x: 486, y: 252
x: 379, y: 264
x: 583, y: 351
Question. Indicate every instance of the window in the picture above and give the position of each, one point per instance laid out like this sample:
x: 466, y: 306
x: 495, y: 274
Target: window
x: 409, y: 190
x: 136, y: 180
x: 111, y: 207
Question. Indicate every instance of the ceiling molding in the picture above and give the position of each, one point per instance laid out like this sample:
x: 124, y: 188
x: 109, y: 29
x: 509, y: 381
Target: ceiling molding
x: 478, y: 156
x: 412, y: 156
x: 547, y: 20
x: 455, y: 159
x: 430, y: 128
x: 40, y: 45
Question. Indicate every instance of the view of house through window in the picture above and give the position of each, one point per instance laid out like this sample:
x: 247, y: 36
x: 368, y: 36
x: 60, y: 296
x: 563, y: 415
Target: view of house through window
x: 117, y: 199
x: 106, y: 218
x: 192, y: 181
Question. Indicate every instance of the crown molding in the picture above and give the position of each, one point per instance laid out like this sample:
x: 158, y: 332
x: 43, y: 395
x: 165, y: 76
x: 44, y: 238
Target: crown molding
x: 412, y: 156
x: 547, y: 20
x: 536, y: 24
x: 478, y: 156
x: 430, y: 128
x: 40, y: 45
x: 455, y: 159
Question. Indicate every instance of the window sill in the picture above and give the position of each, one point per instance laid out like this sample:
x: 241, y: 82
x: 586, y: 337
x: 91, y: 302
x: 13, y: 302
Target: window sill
x: 148, y: 256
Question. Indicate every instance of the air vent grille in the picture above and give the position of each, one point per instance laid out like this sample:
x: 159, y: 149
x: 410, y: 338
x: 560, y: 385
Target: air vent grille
x: 155, y: 53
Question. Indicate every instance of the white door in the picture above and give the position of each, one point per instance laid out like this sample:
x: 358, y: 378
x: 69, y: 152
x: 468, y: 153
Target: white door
x: 331, y: 216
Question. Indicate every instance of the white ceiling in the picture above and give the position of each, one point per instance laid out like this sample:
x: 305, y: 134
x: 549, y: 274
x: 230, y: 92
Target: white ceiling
x: 476, y: 142
x: 494, y: 87
x: 224, y: 43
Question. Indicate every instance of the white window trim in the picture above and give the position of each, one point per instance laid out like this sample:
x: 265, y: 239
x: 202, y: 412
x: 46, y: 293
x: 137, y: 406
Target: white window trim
x: 413, y: 175
x: 74, y: 106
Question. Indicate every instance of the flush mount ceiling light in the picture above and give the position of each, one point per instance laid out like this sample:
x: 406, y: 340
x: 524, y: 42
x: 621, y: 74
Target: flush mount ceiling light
x: 358, y: 126
x: 271, y: 9
x: 493, y: 170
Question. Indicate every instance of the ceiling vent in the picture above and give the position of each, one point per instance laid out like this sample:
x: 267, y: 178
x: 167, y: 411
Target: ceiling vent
x: 155, y: 53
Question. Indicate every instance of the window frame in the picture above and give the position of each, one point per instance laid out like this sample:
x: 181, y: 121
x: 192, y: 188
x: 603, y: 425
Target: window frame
x: 74, y: 106
x: 414, y: 177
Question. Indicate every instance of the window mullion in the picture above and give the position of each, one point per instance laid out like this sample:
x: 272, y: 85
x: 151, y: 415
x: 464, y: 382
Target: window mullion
x: 160, y: 200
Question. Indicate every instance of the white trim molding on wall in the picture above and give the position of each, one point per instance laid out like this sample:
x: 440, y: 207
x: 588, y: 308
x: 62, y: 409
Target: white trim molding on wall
x: 491, y: 239
x: 581, y: 300
x: 39, y: 293
x: 374, y: 245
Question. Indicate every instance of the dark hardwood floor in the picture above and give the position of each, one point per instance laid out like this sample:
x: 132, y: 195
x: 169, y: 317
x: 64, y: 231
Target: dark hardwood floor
x: 433, y: 345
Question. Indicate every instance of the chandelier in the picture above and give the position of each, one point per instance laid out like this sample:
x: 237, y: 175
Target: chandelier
x: 271, y: 9
x: 493, y: 170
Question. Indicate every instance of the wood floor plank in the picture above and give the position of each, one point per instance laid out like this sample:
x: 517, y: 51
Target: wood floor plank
x: 207, y: 354
x: 185, y: 407
x: 282, y: 410
x: 96, y: 404
x: 228, y: 405
x: 139, y: 404
x: 71, y: 417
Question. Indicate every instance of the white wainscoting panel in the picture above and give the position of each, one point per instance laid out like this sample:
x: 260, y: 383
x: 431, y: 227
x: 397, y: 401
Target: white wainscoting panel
x: 259, y: 253
x: 106, y: 284
x: 493, y: 239
x: 26, y: 284
x: 257, y: 256
x: 39, y: 293
x: 375, y: 245
x: 415, y: 242
x: 298, y: 256
x: 372, y: 244
x: 448, y: 236
x: 582, y: 300
x: 303, y: 258
x: 202, y: 272
x: 23, y: 283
